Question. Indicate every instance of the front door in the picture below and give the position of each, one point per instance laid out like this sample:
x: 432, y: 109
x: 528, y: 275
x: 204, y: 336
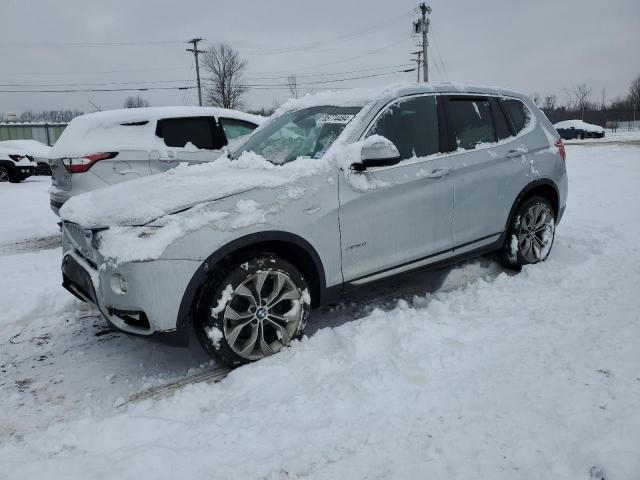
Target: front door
x: 399, y: 217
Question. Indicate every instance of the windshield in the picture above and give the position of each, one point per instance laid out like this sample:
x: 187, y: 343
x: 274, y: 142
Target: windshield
x: 302, y: 133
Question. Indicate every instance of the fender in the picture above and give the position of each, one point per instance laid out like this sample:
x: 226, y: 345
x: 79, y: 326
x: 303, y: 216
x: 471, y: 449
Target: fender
x: 523, y: 193
x: 193, y: 288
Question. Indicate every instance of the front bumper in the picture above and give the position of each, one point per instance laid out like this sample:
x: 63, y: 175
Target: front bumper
x: 147, y: 307
x: 24, y: 172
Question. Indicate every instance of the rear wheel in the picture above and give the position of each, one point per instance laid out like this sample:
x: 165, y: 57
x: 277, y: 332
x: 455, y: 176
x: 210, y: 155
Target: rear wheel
x: 251, y: 309
x: 43, y: 170
x: 530, y: 236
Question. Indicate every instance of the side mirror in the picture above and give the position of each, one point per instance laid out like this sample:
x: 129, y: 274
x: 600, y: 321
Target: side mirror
x: 377, y: 152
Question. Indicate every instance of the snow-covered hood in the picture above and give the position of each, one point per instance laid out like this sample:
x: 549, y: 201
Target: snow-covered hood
x: 144, y: 200
x: 32, y: 148
x: 19, y: 157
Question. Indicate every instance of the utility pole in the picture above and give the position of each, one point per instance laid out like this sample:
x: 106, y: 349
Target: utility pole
x: 418, y: 61
x: 195, y: 51
x: 422, y: 27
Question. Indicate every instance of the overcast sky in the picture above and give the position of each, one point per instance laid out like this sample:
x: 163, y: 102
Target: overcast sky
x: 543, y: 46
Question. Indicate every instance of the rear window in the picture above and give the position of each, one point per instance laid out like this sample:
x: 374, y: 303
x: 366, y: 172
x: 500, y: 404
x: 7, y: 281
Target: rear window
x: 472, y: 122
x: 200, y: 131
x: 236, y: 128
x: 518, y: 114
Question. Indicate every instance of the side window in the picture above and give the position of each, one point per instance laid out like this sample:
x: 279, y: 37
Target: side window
x: 412, y: 125
x: 200, y: 131
x: 502, y: 127
x: 518, y: 113
x: 472, y: 122
x: 236, y: 128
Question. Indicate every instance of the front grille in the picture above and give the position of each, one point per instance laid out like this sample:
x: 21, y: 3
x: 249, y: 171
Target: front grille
x: 81, y: 239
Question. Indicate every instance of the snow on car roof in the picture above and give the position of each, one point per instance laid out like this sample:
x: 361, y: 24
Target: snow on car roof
x: 579, y: 124
x: 129, y: 129
x: 359, y: 97
x: 28, y: 147
x: 6, y: 151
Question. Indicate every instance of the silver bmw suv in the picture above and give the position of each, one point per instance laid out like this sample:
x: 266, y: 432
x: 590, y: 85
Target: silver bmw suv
x: 334, y: 192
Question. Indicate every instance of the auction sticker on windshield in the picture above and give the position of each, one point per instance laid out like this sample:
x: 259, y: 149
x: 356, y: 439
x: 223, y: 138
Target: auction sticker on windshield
x: 335, y: 118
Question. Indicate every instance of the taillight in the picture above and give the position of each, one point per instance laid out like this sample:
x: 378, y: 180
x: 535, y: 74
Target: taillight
x: 82, y: 164
x: 561, y: 150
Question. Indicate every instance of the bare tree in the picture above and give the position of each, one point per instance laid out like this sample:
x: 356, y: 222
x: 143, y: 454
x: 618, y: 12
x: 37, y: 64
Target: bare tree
x: 549, y: 102
x: 581, y: 95
x: 136, y: 102
x: 634, y: 91
x: 292, y: 82
x: 226, y: 69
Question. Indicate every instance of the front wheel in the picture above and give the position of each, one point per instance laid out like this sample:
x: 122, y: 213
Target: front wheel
x: 251, y: 309
x: 5, y: 175
x: 530, y: 236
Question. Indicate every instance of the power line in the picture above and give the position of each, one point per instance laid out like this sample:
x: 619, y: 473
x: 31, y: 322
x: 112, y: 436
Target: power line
x: 148, y: 82
x: 338, y: 73
x: 86, y: 44
x: 131, y: 89
x: 94, y: 72
x: 176, y: 87
x: 313, y: 45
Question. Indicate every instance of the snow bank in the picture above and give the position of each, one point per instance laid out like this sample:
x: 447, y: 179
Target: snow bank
x: 533, y: 375
x: 25, y: 212
x: 31, y: 284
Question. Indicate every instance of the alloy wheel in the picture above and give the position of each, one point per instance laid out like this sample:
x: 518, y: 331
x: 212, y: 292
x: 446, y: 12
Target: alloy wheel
x: 4, y: 176
x: 535, y: 236
x: 263, y: 314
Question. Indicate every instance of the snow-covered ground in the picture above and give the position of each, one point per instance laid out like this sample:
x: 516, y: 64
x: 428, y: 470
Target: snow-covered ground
x: 465, y: 373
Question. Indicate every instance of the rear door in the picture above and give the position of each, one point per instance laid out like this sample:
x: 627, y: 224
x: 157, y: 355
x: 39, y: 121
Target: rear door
x: 399, y: 217
x: 187, y: 139
x: 486, y: 159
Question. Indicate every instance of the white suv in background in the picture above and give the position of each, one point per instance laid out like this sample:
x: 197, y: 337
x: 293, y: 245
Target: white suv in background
x: 104, y: 148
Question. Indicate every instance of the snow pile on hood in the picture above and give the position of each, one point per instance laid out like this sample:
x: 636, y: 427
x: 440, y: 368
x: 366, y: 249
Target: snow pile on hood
x: 580, y: 125
x: 32, y: 148
x: 129, y: 129
x: 146, y: 199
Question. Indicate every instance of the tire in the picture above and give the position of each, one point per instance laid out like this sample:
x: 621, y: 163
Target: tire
x: 5, y: 175
x: 579, y: 136
x: 251, y: 308
x: 43, y: 170
x: 531, y: 233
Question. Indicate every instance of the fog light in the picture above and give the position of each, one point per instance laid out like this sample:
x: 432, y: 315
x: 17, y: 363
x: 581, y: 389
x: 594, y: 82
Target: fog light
x: 118, y: 284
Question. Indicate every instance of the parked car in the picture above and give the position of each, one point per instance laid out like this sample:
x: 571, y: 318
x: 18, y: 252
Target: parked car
x: 15, y: 165
x: 36, y: 150
x: 333, y: 193
x: 570, y: 129
x: 103, y: 148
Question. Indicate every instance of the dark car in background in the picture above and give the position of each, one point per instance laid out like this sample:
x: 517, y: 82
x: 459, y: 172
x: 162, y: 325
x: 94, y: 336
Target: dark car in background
x: 577, y: 129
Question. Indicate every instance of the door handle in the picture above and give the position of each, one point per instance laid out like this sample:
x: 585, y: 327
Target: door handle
x: 518, y: 152
x: 439, y: 173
